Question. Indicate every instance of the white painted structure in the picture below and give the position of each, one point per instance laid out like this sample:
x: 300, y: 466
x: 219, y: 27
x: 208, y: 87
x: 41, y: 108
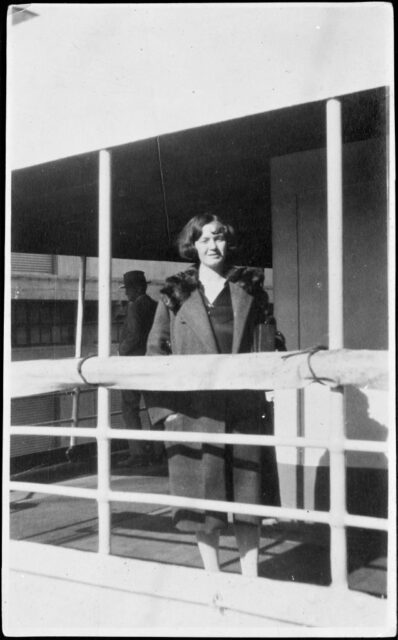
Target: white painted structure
x: 89, y: 76
x: 86, y: 77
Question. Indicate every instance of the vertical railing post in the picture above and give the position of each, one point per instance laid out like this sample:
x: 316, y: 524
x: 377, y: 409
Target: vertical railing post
x: 392, y: 414
x: 78, y: 341
x: 104, y: 347
x: 7, y: 353
x: 338, y: 546
x: 80, y: 306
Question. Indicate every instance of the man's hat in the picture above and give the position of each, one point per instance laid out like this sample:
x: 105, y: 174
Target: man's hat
x: 133, y: 278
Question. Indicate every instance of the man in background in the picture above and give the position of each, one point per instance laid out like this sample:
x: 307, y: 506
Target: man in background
x: 133, y: 337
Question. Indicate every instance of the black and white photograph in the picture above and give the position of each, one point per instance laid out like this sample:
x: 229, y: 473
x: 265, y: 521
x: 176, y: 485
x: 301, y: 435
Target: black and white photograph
x: 199, y: 329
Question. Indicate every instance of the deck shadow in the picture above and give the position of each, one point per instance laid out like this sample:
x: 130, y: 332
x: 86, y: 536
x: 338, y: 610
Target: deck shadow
x: 289, y: 551
x: 306, y: 563
x: 365, y: 546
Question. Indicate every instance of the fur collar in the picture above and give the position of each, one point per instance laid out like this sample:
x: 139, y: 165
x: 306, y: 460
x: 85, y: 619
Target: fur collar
x: 179, y: 287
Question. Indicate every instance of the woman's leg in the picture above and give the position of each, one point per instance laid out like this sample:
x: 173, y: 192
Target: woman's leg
x: 208, y: 547
x: 248, y: 541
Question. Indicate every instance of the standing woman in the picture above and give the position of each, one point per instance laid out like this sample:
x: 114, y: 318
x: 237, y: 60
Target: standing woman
x: 214, y: 307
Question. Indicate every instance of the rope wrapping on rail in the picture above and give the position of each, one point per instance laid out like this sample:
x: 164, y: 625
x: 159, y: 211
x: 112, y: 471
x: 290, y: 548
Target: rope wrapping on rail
x: 311, y: 351
x: 257, y: 371
x: 80, y: 363
x: 315, y: 378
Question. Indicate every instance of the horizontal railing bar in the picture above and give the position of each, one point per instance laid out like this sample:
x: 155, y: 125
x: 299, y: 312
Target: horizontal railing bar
x: 365, y: 522
x: 79, y: 432
x: 176, y: 501
x: 220, y: 505
x: 56, y: 489
x: 249, y: 439
x: 372, y: 446
x: 307, y: 515
x: 214, y: 438
x: 66, y: 420
x: 257, y: 371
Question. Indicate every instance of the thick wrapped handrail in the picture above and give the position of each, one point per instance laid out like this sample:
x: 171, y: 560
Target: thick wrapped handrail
x: 258, y: 371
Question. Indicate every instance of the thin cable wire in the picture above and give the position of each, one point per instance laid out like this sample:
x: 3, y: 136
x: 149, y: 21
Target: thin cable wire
x: 163, y: 190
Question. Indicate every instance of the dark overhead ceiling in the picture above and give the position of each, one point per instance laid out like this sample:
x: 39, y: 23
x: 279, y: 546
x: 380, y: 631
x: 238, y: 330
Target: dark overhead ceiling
x: 159, y: 183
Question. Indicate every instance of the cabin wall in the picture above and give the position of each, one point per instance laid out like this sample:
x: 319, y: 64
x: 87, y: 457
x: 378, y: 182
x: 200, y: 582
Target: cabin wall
x: 299, y: 218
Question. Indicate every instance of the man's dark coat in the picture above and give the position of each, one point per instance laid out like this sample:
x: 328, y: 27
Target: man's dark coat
x: 136, y: 326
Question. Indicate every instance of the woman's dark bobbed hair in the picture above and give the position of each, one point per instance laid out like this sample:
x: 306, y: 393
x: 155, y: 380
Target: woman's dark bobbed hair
x: 193, y: 230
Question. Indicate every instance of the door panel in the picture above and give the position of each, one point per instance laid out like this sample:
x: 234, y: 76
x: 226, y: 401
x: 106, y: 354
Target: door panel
x: 299, y: 219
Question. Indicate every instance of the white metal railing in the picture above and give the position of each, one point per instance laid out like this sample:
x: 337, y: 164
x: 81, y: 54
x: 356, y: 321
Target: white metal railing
x: 305, y: 515
x: 257, y: 371
x: 80, y: 419
x: 104, y: 348
x: 334, y: 152
x: 338, y: 518
x: 102, y: 370
x: 216, y: 505
x: 374, y: 446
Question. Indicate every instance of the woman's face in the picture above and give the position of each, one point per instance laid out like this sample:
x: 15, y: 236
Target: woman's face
x: 212, y: 246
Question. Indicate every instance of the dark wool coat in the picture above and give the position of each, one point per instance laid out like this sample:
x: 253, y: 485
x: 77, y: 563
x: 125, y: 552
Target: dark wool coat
x: 136, y: 326
x: 221, y: 472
